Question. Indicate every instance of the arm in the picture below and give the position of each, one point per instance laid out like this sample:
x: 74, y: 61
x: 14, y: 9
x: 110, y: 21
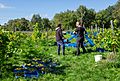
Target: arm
x: 61, y: 35
x: 85, y: 31
x: 75, y: 31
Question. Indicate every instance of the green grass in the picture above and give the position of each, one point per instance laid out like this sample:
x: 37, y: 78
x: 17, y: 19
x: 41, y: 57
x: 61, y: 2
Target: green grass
x: 78, y: 68
x: 71, y: 68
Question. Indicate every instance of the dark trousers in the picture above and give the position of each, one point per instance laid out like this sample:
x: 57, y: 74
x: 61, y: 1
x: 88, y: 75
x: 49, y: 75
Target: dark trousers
x: 61, y: 43
x: 80, y: 44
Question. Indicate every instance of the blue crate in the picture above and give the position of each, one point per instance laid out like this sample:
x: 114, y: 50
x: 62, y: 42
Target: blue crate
x: 100, y: 50
x: 31, y: 74
x: 19, y: 72
x: 75, y: 36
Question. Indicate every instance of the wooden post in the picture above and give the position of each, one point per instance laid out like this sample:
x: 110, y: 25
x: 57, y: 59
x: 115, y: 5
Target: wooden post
x: 91, y: 28
x: 112, y: 27
x: 96, y: 26
x: 14, y: 29
x: 103, y: 28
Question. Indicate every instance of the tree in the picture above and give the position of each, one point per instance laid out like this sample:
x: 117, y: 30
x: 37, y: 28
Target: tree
x: 52, y: 24
x: 46, y: 24
x: 86, y: 15
x: 36, y: 33
x: 36, y: 19
x: 24, y: 24
x: 81, y: 12
x: 17, y: 24
x: 67, y: 19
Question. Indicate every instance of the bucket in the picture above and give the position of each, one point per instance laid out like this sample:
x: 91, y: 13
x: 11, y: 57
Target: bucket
x: 98, y: 58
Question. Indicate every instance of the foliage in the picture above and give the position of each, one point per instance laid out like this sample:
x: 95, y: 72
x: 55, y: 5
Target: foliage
x: 9, y: 48
x: 36, y: 32
x: 36, y: 19
x: 17, y: 25
x: 19, y: 47
x: 108, y: 40
x: 16, y: 47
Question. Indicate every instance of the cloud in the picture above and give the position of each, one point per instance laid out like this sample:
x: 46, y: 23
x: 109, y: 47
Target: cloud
x: 45, y: 15
x: 2, y: 6
x: 29, y: 16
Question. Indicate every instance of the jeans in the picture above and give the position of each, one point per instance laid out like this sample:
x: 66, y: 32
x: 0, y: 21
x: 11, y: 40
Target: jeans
x: 61, y: 43
x: 80, y: 44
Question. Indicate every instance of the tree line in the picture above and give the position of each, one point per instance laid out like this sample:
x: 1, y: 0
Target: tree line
x: 68, y: 18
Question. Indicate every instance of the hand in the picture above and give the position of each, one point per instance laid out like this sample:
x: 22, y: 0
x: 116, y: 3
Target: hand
x: 67, y: 40
x: 63, y: 38
x: 74, y: 32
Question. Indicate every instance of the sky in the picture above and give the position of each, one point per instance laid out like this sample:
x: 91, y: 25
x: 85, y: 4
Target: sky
x: 12, y: 9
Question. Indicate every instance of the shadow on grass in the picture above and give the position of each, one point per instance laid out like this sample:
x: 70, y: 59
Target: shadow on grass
x: 59, y: 70
x: 90, y: 50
